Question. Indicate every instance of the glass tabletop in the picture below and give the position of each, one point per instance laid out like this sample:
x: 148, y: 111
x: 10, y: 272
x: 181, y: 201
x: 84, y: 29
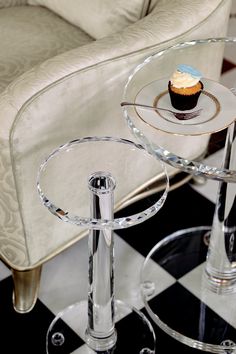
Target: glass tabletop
x: 64, y: 190
x: 148, y: 84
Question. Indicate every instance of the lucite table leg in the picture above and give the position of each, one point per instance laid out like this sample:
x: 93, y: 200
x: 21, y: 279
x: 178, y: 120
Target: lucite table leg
x: 221, y: 258
x: 101, y: 333
x: 94, y: 320
x: 207, y: 275
x: 100, y: 323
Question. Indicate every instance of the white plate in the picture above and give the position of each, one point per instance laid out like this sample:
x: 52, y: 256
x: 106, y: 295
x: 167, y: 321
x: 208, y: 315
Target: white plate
x: 217, y: 102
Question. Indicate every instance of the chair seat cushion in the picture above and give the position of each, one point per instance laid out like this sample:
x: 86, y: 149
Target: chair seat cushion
x: 37, y: 34
x: 99, y: 18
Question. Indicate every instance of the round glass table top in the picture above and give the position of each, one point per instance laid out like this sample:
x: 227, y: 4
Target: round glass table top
x: 62, y: 180
x: 148, y: 84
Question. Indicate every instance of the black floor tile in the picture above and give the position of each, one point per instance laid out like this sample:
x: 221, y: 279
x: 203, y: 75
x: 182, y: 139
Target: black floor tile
x: 183, y: 208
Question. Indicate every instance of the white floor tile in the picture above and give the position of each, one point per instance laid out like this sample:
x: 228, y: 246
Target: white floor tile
x: 229, y: 78
x: 224, y: 305
x: 64, y: 278
x: 4, y: 271
x: 210, y: 188
x: 233, y: 7
x: 232, y: 26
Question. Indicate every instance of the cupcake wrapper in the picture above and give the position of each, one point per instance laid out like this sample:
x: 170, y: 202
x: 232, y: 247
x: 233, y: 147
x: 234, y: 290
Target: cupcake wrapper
x: 184, y: 102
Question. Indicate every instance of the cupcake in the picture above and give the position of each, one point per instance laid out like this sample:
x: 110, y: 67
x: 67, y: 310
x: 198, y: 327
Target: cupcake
x: 185, y: 87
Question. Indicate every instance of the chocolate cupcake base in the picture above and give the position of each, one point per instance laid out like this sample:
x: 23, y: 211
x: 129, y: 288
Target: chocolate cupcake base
x: 184, y: 102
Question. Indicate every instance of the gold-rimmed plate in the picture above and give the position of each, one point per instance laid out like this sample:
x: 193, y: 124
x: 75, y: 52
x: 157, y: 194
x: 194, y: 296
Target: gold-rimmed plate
x: 217, y: 104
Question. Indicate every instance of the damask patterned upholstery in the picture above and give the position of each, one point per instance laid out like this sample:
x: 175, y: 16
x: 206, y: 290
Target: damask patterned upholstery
x: 9, y: 3
x: 99, y: 18
x: 53, y: 79
x: 36, y: 34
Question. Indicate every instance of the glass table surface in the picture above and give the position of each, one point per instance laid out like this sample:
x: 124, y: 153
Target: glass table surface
x: 148, y: 84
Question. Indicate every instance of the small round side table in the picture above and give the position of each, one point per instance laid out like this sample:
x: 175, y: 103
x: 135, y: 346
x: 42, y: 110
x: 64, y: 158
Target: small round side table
x: 100, y: 175
x: 214, y: 281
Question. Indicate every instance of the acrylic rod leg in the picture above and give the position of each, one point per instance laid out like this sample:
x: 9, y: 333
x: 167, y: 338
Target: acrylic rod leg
x: 101, y: 333
x: 221, y: 258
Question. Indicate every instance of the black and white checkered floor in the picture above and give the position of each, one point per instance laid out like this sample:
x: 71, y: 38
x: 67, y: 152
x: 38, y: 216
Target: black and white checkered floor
x: 64, y: 279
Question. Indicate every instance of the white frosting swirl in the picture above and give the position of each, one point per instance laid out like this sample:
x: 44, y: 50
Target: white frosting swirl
x: 183, y: 79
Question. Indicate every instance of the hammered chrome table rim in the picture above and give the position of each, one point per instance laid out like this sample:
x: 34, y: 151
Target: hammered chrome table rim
x: 189, y: 166
x: 99, y: 224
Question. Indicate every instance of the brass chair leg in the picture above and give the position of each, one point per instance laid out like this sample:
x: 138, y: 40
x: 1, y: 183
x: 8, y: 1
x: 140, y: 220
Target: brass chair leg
x: 26, y: 286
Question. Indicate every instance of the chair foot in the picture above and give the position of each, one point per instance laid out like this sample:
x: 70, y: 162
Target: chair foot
x: 26, y: 286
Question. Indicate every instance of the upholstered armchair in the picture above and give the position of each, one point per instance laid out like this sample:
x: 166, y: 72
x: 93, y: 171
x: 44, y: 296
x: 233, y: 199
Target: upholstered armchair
x: 63, y: 68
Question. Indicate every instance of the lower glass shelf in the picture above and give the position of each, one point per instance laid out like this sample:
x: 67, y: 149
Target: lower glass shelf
x: 134, y: 335
x: 188, y: 310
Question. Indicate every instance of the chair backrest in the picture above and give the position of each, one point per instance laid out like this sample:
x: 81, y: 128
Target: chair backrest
x: 98, y: 18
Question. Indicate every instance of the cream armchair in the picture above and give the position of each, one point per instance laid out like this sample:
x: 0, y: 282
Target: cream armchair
x: 62, y: 77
